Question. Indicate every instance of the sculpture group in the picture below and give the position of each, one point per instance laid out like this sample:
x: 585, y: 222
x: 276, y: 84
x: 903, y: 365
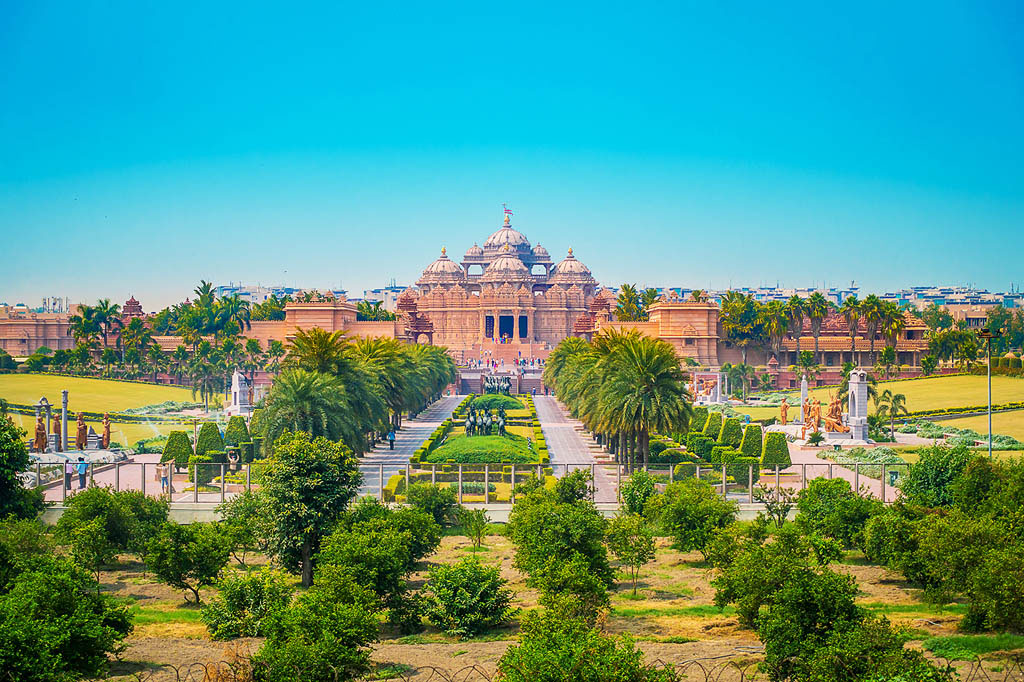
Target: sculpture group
x: 481, y: 422
x: 500, y: 385
x: 813, y: 417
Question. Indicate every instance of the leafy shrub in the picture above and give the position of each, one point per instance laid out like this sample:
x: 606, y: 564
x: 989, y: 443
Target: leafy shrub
x: 477, y: 487
x: 177, y: 449
x: 467, y: 598
x: 691, y: 511
x: 570, y: 589
x: 751, y: 445
x: 201, y: 469
x: 575, y: 486
x: 928, y: 481
x: 700, y: 445
x: 54, y: 623
x: 698, y: 419
x: 831, y: 508
x: 509, y: 449
x: 713, y: 426
x: 440, y: 503
x: 776, y: 451
x: 128, y: 519
x: 636, y: 490
x: 815, y: 438
x: 244, y: 604
x: 236, y: 432
x: 245, y: 523
x: 209, y: 440
x: 553, y: 649
x: 15, y: 498
x: 632, y: 543
x: 188, y: 556
x: 732, y: 432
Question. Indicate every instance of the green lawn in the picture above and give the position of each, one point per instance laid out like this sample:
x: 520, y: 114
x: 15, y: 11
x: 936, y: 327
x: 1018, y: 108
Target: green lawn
x: 481, y: 449
x: 1006, y: 423
x: 93, y: 395
x: 125, y: 434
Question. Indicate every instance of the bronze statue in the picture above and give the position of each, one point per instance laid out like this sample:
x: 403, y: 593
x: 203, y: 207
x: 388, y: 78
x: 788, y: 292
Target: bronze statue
x: 816, y: 414
x: 39, y: 445
x: 106, y: 430
x: 806, y: 412
x: 83, y: 431
x: 56, y: 431
x: 784, y: 412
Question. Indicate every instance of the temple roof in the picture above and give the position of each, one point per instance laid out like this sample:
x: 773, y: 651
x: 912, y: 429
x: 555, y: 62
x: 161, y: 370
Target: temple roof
x: 507, y: 268
x: 444, y: 269
x: 507, y: 235
x: 571, y: 271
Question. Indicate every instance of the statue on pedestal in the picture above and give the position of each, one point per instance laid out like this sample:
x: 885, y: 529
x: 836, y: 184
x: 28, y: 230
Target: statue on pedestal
x: 784, y: 412
x: 83, y: 433
x: 834, y: 417
x: 39, y: 444
x: 56, y: 431
x: 106, y: 430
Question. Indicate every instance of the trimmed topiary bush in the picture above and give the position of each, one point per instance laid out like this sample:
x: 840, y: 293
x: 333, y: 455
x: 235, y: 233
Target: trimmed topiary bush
x: 248, y: 451
x: 699, y: 445
x: 713, y: 425
x: 209, y: 440
x: 178, y: 449
x: 699, y: 419
x: 751, y: 444
x: 236, y: 432
x: 731, y: 433
x: 204, y: 472
x: 256, y: 423
x: 776, y: 450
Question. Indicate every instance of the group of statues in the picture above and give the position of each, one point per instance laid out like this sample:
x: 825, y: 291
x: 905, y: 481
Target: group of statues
x: 481, y: 422
x: 497, y: 385
x: 39, y: 444
x: 704, y: 387
x: 813, y: 417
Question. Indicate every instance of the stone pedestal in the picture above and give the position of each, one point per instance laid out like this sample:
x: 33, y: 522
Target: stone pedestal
x: 803, y: 399
x: 858, y: 405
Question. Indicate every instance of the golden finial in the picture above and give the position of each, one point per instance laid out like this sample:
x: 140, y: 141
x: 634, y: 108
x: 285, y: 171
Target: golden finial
x: 506, y: 247
x: 570, y: 252
x: 507, y: 220
x: 444, y: 251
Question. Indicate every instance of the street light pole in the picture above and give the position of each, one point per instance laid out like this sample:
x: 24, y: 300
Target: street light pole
x: 988, y: 335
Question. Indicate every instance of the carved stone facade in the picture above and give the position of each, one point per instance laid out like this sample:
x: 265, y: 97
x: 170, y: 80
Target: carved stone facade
x: 505, y: 292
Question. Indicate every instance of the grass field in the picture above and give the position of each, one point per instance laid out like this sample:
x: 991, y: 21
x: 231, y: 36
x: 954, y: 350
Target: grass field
x: 125, y: 434
x: 1006, y: 423
x: 93, y: 395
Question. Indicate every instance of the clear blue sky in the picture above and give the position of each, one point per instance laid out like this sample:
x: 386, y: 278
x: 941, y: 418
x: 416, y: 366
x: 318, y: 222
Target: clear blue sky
x: 144, y: 146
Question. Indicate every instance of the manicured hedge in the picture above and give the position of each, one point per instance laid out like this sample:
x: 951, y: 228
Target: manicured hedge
x: 492, y: 401
x: 776, y: 450
x: 699, y: 419
x: 731, y: 433
x: 713, y: 426
x: 178, y: 449
x: 738, y: 467
x: 209, y: 440
x: 751, y: 445
x: 700, y: 445
x: 236, y: 431
x: 248, y: 451
x: 205, y: 471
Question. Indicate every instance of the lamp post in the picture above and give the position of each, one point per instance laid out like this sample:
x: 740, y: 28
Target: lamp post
x: 988, y: 335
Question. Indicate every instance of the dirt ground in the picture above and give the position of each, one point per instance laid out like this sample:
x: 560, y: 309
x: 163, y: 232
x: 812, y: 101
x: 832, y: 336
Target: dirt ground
x: 672, y: 617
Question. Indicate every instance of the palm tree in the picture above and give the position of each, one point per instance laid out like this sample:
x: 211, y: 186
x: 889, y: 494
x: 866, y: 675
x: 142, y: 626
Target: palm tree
x: 395, y: 373
x: 318, y: 350
x: 627, y: 304
x: 204, y: 372
x: 232, y: 312
x: 795, y: 313
x: 741, y: 320
x: 648, y: 297
x: 698, y: 295
x: 850, y: 310
x: 275, y: 352
x: 886, y: 361
x: 893, y: 323
x: 157, y: 360
x: 254, y: 358
x: 83, y: 326
x: 302, y: 400
x: 179, y: 361
x: 739, y: 376
x: 765, y: 383
x: 775, y: 321
x: 204, y: 294
x: 108, y: 316
x: 806, y: 365
x: 817, y: 308
x: 891, y: 405
x: 873, y: 312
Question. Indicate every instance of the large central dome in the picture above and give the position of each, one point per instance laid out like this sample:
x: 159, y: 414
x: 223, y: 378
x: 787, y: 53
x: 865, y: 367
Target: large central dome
x: 506, y: 268
x: 507, y: 236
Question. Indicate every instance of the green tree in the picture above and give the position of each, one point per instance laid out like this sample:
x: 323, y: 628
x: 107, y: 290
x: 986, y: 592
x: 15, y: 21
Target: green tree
x: 245, y: 522
x: 741, y: 319
x: 851, y: 312
x: 886, y: 361
x: 441, y: 503
x: 15, y: 499
x: 245, y: 604
x: 817, y: 308
x: 467, y: 599
x: 308, y: 483
x: 91, y: 547
x: 936, y: 317
x: 795, y: 312
x: 928, y: 482
x: 627, y: 304
x: 775, y: 321
x: 929, y: 364
x: 474, y: 524
x: 831, y: 508
x: 632, y: 543
x: 891, y: 405
x: 637, y: 490
x: 691, y: 511
x: 873, y: 312
x: 188, y: 556
x: 209, y: 441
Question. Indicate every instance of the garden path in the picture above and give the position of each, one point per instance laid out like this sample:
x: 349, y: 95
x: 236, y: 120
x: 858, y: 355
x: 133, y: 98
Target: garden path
x: 568, y: 449
x: 819, y: 467
x: 408, y: 438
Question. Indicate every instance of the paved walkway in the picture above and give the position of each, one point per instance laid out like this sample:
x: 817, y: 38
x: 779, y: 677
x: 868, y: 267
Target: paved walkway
x: 568, y: 448
x: 816, y: 468
x: 408, y: 438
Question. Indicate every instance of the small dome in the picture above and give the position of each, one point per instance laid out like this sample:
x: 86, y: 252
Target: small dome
x: 506, y: 268
x: 540, y: 252
x: 474, y: 251
x: 444, y: 269
x: 571, y: 271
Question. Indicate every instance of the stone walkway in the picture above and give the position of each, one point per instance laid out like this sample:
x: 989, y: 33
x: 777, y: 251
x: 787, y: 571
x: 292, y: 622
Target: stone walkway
x: 568, y: 448
x: 408, y: 439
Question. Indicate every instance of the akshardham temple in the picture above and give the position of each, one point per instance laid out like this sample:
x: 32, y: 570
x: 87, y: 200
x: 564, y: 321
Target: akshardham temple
x: 505, y: 292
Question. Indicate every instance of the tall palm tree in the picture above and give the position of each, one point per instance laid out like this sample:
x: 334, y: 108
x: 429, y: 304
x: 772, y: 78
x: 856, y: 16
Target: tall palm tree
x: 850, y: 310
x: 275, y: 353
x: 83, y: 326
x: 894, y: 323
x: 795, y: 313
x: 179, y: 361
x: 108, y: 316
x: 873, y: 313
x: 775, y: 321
x: 891, y: 405
x: 302, y: 400
x: 205, y: 373
x: 254, y: 358
x: 627, y: 304
x: 395, y: 373
x: 318, y: 350
x: 741, y: 320
x: 648, y: 297
x: 817, y: 308
x: 157, y: 360
x: 232, y: 312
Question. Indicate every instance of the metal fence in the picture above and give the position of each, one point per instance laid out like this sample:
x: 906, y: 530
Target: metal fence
x: 486, y: 484
x: 727, y: 668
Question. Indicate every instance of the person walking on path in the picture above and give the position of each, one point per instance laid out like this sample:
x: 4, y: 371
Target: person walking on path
x: 391, y: 438
x: 69, y: 469
x: 164, y: 469
x: 83, y: 469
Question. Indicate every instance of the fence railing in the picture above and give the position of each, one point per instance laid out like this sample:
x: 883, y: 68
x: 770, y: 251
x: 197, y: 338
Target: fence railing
x: 487, y: 484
